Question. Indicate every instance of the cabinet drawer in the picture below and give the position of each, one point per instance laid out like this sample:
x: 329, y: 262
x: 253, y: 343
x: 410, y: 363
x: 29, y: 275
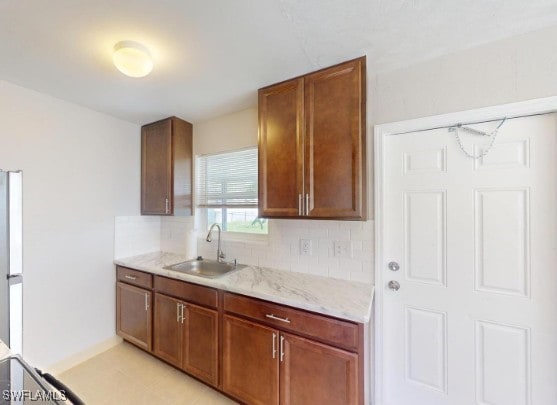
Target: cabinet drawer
x: 134, y: 277
x: 329, y: 330
x: 186, y: 291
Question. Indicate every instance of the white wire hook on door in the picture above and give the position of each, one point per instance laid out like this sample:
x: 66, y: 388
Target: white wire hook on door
x: 474, y: 131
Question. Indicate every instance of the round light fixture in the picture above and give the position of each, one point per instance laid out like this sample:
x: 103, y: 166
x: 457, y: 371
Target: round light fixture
x: 132, y: 59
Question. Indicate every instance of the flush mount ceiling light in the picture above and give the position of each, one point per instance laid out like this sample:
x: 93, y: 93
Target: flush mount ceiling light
x: 132, y: 59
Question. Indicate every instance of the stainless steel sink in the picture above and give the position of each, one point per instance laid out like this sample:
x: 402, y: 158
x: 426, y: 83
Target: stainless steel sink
x: 205, y: 268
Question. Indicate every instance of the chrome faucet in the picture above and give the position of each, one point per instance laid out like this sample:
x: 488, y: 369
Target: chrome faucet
x: 220, y: 253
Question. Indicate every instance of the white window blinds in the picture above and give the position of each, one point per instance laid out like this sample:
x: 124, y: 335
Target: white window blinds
x: 227, y: 179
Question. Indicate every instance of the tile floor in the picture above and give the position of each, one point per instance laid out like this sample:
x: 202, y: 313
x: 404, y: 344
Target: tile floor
x: 127, y: 375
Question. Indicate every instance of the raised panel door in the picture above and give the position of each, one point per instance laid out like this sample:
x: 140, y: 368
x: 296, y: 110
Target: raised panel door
x: 182, y: 167
x: 335, y: 141
x: 314, y: 373
x: 168, y: 329
x: 250, y: 361
x: 200, y: 350
x: 133, y: 315
x: 156, y: 168
x: 281, y: 117
x: 474, y: 321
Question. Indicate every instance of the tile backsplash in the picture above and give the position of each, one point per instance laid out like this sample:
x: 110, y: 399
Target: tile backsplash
x: 336, y: 249
x: 178, y: 236
x: 144, y: 234
x: 136, y: 235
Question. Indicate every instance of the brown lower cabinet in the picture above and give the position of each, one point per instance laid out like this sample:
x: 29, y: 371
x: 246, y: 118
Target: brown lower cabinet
x: 186, y: 335
x: 133, y: 318
x: 314, y: 373
x: 257, y: 360
x: 253, y: 350
x: 250, y: 361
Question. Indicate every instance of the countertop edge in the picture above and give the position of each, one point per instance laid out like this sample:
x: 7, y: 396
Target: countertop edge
x: 221, y: 284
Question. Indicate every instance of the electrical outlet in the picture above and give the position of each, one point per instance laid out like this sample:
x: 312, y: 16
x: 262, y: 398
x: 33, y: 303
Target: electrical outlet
x: 305, y: 247
x: 343, y: 248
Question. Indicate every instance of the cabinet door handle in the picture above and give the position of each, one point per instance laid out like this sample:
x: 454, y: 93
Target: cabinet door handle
x: 274, y: 345
x: 130, y: 277
x: 307, y: 204
x: 178, y: 312
x: 281, y: 348
x: 146, y: 301
x: 166, y: 206
x: 182, y: 313
x: 300, y: 213
x: 277, y: 318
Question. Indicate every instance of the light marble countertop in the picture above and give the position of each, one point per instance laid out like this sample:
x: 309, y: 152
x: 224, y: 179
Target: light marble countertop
x: 339, y: 298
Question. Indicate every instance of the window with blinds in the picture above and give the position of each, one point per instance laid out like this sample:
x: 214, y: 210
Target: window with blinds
x: 227, y: 190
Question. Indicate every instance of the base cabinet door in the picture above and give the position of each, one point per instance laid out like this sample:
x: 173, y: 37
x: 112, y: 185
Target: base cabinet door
x: 168, y: 329
x: 250, y: 361
x: 200, y: 348
x: 314, y: 373
x: 133, y: 315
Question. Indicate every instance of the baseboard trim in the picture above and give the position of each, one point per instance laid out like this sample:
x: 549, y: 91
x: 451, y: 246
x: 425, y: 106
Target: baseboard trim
x: 77, y: 358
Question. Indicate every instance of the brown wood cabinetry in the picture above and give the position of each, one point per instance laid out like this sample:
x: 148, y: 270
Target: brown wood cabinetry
x: 312, y: 145
x: 314, y: 373
x: 133, y: 314
x: 168, y: 329
x: 263, y: 363
x: 166, y: 167
x: 186, y: 335
x: 200, y: 348
x: 250, y: 361
x: 256, y: 351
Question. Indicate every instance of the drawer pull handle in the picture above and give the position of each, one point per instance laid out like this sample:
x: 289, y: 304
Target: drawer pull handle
x: 277, y: 318
x: 130, y: 277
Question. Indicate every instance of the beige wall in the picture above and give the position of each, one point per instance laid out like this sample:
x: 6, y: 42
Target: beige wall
x: 80, y: 169
x: 228, y: 132
x: 511, y: 70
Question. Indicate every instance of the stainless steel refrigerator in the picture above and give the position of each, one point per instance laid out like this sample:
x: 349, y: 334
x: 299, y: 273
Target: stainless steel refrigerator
x: 11, y: 260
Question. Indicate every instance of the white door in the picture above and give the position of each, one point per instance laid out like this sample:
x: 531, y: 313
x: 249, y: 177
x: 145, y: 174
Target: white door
x: 475, y: 318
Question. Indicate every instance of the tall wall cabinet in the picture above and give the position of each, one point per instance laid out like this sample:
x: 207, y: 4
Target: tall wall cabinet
x: 166, y: 167
x: 312, y: 145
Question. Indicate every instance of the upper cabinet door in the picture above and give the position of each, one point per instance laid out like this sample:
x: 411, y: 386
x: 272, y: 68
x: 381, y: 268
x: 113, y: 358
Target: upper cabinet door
x: 166, y: 167
x: 312, y: 145
x: 281, y: 122
x: 156, y: 168
x: 335, y: 141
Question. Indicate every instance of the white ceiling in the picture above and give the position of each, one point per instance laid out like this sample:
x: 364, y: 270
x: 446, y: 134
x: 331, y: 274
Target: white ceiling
x: 212, y: 55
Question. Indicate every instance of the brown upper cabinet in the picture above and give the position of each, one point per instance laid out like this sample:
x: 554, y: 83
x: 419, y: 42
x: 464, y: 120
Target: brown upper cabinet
x: 166, y: 167
x: 312, y: 145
